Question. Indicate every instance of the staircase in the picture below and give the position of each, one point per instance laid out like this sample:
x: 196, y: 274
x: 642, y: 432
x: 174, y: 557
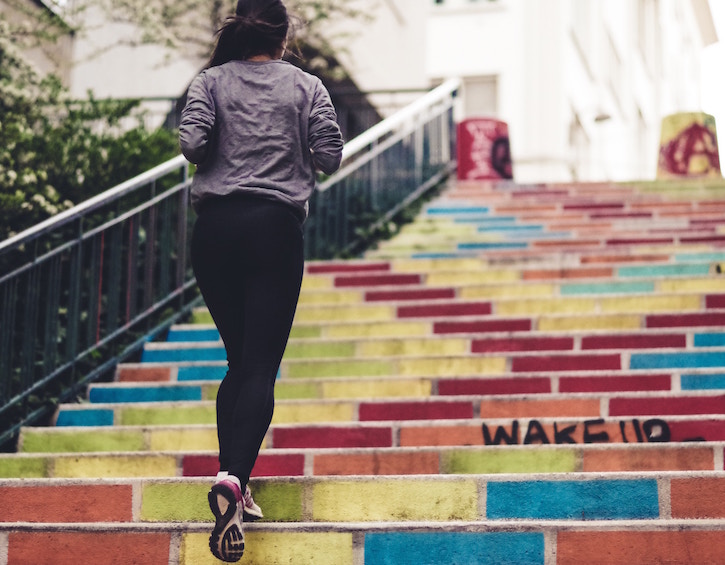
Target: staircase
x: 524, y: 375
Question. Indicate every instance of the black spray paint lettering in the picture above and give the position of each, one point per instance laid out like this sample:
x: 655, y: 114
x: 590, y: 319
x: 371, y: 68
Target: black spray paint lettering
x: 652, y: 431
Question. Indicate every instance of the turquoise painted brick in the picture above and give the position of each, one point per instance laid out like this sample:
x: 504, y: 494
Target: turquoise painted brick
x: 684, y: 360
x: 183, y: 354
x: 182, y: 335
x: 441, y: 255
x: 493, y: 220
x: 449, y: 210
x: 85, y: 417
x: 454, y: 548
x: 573, y: 500
x: 638, y: 287
x: 664, y: 270
x: 494, y: 245
x: 201, y: 373
x: 710, y: 340
x: 145, y: 394
x: 702, y: 382
x: 699, y: 257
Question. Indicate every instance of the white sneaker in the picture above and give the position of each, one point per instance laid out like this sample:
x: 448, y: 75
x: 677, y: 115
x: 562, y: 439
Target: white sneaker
x: 251, y: 510
x: 227, y: 538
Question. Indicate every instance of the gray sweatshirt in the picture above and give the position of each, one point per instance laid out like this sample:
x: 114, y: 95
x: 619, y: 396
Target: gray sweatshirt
x: 260, y: 128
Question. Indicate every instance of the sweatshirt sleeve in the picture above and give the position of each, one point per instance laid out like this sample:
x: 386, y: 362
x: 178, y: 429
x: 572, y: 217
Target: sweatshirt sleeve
x: 197, y: 121
x: 325, y: 138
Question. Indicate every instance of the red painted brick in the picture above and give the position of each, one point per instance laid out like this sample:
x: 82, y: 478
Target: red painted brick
x: 574, y: 273
x: 448, y: 309
x: 701, y: 497
x: 267, y: 465
x: 629, y: 215
x: 331, y: 436
x: 377, y: 280
x: 430, y: 410
x: 703, y: 239
x: 638, y: 240
x: 688, y: 430
x: 685, y: 320
x: 483, y: 326
x: 684, y: 405
x: 66, y: 503
x: 640, y: 547
x: 633, y: 341
x: 615, y: 383
x: 594, y: 206
x: 522, y: 344
x: 625, y: 259
x: 378, y: 463
x: 715, y: 301
x: 144, y: 374
x: 566, y: 363
x: 494, y: 386
x: 440, y: 435
x: 76, y: 548
x: 347, y: 267
x: 418, y: 294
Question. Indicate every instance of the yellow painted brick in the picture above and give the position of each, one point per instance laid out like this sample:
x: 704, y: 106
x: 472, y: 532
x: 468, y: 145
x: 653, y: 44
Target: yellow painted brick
x: 603, y: 322
x: 666, y: 303
x: 316, y: 282
x: 427, y: 265
x: 380, y: 329
x: 508, y: 291
x: 671, y: 249
x: 331, y: 297
x: 452, y: 366
x: 395, y: 500
x: 184, y: 439
x: 374, y: 388
x: 692, y: 285
x: 275, y: 548
x: 417, y: 347
x: 124, y: 466
x: 306, y: 314
x: 545, y: 306
x: 469, y: 278
x: 313, y: 412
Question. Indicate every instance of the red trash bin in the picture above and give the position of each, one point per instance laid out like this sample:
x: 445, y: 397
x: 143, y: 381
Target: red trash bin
x: 483, y: 149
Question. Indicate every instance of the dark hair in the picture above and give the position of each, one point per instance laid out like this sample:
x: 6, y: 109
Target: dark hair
x: 259, y: 27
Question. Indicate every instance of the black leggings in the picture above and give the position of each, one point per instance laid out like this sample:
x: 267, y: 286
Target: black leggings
x: 248, y: 258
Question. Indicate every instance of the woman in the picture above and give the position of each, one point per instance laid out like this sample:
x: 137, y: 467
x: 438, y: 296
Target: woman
x: 257, y: 128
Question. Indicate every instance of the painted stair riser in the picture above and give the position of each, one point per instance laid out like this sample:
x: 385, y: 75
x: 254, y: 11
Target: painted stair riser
x: 674, y: 429
x: 473, y: 545
x: 457, y: 498
x: 385, y: 461
x: 441, y: 408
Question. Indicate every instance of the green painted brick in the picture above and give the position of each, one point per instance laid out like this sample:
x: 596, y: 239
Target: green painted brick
x: 168, y: 415
x: 201, y: 316
x: 395, y: 500
x: 305, y: 332
x: 315, y: 350
x: 510, y: 461
x: 280, y: 501
x: 209, y: 392
x: 636, y: 287
x: 175, y: 502
x: 339, y: 369
x: 23, y: 467
x: 294, y: 391
x: 77, y: 441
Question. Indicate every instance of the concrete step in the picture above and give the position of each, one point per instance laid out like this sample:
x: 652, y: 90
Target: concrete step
x: 526, y: 542
x: 376, y: 461
x: 393, y: 433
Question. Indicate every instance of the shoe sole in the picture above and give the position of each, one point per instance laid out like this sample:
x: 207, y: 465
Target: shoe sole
x: 227, y: 538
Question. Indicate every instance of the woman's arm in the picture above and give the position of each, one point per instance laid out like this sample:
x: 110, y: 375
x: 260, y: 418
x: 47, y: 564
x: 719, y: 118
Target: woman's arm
x: 197, y: 121
x: 325, y: 138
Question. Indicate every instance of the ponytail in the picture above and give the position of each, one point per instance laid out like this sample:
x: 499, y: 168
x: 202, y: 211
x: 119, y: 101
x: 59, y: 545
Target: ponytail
x: 259, y: 27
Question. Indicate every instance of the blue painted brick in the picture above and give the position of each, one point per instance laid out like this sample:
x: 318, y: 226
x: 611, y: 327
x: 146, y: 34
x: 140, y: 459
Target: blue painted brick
x: 201, y: 373
x: 486, y: 221
x: 145, y: 394
x: 448, y: 210
x: 515, y: 227
x: 183, y: 354
x: 664, y: 270
x: 639, y: 287
x: 702, y: 382
x: 573, y: 500
x: 454, y: 548
x: 494, y: 245
x: 710, y: 340
x: 179, y: 335
x: 682, y: 360
x: 88, y: 417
